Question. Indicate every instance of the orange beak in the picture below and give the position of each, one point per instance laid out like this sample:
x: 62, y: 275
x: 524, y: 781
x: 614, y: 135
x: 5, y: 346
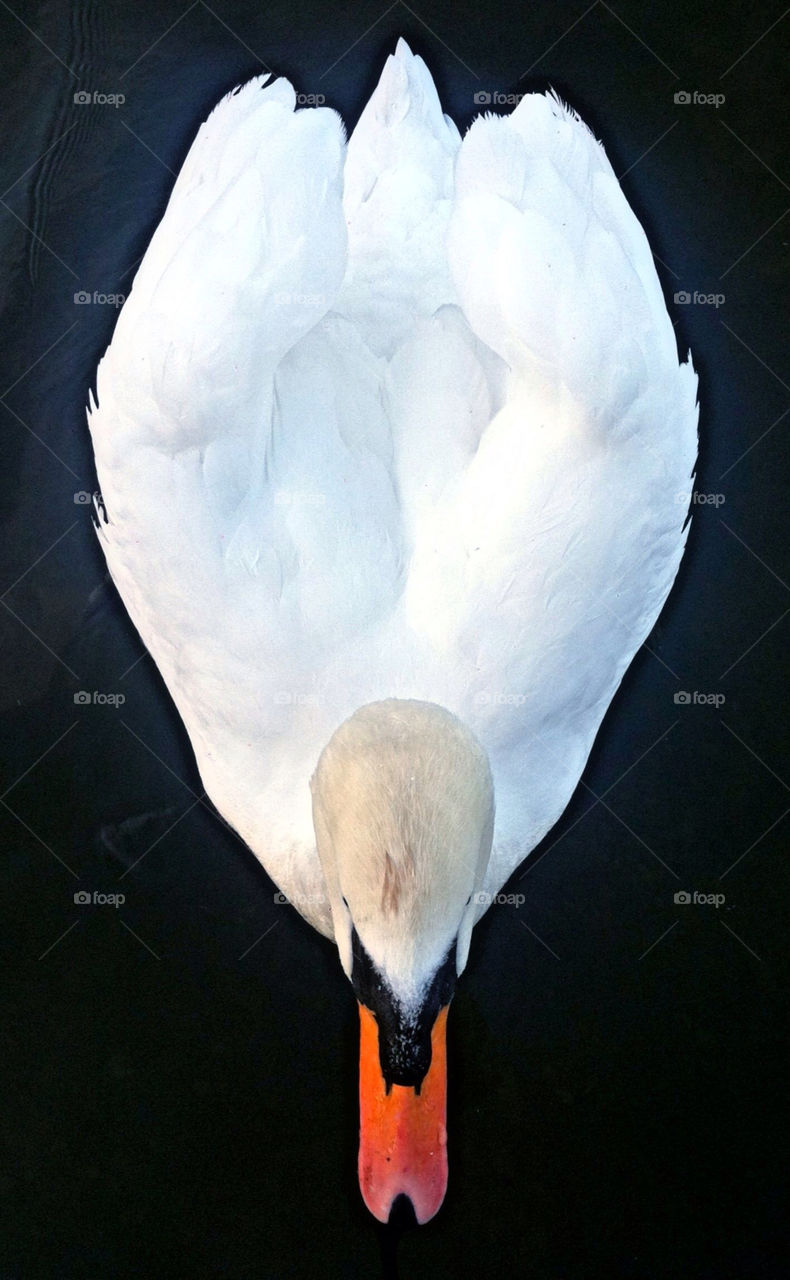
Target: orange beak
x: 402, y: 1133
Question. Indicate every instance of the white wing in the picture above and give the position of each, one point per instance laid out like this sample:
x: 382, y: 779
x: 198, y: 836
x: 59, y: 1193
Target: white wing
x: 403, y: 419
x: 571, y: 513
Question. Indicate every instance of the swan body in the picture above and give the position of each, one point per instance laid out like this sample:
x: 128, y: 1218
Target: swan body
x: 396, y: 454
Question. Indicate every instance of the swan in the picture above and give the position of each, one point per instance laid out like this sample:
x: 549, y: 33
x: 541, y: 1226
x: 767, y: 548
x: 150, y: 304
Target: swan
x: 395, y: 453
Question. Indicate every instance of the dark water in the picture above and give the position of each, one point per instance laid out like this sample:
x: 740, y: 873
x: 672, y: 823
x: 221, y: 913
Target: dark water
x: 180, y: 1096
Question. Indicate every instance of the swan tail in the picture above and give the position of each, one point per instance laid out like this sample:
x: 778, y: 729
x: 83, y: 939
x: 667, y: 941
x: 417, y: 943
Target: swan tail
x: 397, y: 200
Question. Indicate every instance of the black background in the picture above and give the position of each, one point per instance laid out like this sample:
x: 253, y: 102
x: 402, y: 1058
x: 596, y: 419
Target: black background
x: 182, y: 1075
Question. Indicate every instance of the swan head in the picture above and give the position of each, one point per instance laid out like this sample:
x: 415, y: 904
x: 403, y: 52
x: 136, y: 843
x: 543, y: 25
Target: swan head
x: 403, y: 809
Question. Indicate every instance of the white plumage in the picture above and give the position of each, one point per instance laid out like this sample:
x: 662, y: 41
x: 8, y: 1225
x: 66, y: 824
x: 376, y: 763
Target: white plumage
x: 401, y: 418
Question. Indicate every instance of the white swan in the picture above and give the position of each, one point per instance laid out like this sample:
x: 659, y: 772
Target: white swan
x: 396, y: 455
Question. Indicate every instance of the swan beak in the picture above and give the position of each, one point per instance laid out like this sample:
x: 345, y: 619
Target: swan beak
x: 402, y: 1132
